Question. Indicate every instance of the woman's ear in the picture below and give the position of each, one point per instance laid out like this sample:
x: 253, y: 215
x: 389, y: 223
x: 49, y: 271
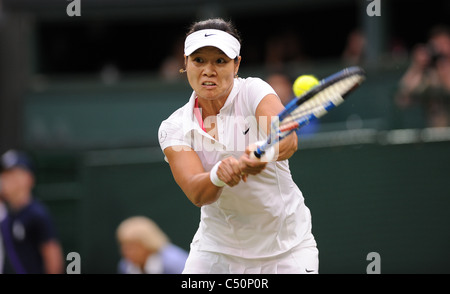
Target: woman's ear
x: 237, y: 63
x: 183, y: 70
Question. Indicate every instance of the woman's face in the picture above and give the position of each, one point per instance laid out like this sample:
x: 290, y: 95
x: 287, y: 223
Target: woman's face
x: 211, y: 73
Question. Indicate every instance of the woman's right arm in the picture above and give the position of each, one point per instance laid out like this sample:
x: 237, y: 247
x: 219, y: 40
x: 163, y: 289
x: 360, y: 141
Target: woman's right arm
x: 189, y: 174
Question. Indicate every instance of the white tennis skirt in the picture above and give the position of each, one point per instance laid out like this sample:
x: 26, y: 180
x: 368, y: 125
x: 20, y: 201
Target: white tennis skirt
x: 302, y: 259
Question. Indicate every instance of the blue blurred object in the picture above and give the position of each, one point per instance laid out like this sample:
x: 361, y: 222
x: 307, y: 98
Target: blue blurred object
x: 308, y: 130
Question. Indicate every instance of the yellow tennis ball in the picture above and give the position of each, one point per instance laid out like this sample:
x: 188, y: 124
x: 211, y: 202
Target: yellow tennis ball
x: 304, y: 83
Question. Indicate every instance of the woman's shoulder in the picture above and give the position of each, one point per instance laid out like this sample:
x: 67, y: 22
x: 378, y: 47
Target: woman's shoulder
x: 255, y: 85
x: 253, y: 90
x: 176, y: 117
x: 251, y: 81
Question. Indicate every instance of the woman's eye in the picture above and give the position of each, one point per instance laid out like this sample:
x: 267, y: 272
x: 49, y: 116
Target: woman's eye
x: 221, y: 60
x: 198, y: 59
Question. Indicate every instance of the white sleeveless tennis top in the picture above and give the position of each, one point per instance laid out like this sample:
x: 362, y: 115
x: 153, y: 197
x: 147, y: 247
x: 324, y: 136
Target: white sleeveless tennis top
x: 263, y: 217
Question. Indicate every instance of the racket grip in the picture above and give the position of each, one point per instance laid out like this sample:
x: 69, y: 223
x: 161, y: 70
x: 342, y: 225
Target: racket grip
x: 266, y: 156
x: 255, y: 155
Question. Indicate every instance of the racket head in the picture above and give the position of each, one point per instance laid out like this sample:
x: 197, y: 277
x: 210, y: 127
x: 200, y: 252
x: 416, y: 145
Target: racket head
x: 354, y: 71
x: 313, y: 104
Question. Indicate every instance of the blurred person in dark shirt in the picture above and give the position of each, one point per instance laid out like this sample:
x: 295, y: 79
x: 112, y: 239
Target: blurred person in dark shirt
x: 29, y: 236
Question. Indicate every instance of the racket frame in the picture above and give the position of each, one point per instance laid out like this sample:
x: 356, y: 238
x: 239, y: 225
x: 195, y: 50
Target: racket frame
x: 276, y: 135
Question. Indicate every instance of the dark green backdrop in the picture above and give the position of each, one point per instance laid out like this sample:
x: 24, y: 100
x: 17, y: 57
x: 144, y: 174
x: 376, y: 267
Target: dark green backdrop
x: 390, y: 199
x: 369, y: 190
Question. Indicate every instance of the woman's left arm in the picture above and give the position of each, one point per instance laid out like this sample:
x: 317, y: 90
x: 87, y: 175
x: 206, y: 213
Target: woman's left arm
x: 270, y: 106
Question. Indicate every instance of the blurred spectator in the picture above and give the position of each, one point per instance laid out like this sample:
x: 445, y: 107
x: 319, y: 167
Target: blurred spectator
x: 29, y: 237
x: 282, y: 85
x: 170, y: 68
x: 353, y: 53
x: 110, y: 73
x: 145, y: 249
x: 398, y: 50
x: 426, y: 82
x: 2, y: 217
x: 282, y: 49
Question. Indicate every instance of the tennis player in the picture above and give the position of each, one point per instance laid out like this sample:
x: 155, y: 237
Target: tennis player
x: 253, y: 215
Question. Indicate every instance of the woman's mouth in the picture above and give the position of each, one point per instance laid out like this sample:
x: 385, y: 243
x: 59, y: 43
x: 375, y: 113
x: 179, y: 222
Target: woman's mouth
x: 208, y: 84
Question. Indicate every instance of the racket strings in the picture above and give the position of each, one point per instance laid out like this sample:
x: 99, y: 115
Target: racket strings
x: 313, y: 104
x: 317, y: 104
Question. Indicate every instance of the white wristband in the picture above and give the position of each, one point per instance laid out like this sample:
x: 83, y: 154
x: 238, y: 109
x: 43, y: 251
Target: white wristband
x: 213, y: 176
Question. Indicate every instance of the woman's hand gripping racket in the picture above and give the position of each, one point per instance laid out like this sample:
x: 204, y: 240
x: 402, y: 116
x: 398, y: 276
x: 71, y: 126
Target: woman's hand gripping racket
x: 313, y: 104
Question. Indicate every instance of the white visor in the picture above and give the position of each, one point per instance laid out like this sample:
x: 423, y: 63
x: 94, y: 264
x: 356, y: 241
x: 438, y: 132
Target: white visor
x: 216, y: 38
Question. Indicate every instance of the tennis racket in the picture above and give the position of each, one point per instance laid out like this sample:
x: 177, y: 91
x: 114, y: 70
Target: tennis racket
x: 312, y: 105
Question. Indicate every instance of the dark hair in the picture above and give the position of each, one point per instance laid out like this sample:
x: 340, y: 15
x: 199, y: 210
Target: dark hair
x: 216, y: 24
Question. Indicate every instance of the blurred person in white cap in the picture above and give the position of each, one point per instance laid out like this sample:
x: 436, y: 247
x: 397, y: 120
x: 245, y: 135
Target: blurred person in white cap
x: 253, y: 215
x: 146, y: 249
x: 29, y: 236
